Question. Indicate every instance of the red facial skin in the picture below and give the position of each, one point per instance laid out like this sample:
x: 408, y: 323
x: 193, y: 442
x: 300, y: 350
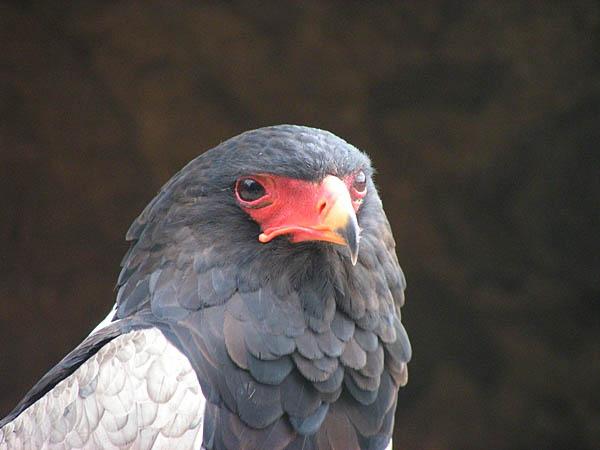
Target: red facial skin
x: 304, y: 210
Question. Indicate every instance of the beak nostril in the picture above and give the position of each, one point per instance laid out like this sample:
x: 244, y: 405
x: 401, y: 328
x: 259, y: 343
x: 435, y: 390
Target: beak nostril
x: 321, y: 206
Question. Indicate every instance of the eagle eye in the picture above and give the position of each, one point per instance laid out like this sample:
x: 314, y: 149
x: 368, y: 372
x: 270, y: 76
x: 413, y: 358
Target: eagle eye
x: 360, y: 183
x: 249, y: 190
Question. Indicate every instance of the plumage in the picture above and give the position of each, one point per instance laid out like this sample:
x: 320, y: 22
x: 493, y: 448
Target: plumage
x: 226, y: 334
x: 310, y: 424
x: 106, y: 401
x: 366, y: 339
x: 353, y: 356
x: 342, y: 326
x: 329, y: 344
x: 307, y: 346
x: 331, y: 384
x: 270, y: 372
x: 299, y: 397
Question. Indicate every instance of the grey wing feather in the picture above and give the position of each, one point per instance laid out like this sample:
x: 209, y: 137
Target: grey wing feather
x: 137, y: 392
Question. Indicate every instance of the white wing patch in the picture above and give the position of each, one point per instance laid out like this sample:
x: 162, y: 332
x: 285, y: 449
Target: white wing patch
x: 106, y: 321
x: 138, y: 392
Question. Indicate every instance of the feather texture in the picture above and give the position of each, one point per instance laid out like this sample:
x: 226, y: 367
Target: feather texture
x: 138, y: 391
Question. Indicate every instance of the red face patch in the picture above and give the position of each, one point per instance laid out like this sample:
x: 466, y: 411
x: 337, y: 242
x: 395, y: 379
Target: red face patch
x: 301, y: 209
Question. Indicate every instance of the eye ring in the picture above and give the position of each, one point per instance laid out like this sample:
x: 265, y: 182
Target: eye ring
x: 249, y: 190
x: 359, y: 183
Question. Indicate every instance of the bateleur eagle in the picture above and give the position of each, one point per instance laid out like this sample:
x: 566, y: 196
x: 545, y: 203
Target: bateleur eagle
x: 258, y: 307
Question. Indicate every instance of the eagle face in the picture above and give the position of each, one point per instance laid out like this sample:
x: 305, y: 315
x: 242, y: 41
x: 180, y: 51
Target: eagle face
x: 269, y: 264
x: 299, y: 182
x: 304, y: 210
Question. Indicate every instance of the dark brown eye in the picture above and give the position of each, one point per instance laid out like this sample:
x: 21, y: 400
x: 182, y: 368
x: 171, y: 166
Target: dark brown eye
x: 249, y: 190
x: 360, y: 182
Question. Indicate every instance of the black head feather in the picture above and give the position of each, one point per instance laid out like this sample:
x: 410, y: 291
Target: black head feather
x: 200, y: 199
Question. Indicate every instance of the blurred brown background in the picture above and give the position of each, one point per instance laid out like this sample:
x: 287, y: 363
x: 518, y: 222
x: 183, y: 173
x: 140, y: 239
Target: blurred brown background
x: 483, y: 119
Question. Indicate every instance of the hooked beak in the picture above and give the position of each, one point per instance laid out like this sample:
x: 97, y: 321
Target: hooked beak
x: 329, y: 217
x: 351, y: 235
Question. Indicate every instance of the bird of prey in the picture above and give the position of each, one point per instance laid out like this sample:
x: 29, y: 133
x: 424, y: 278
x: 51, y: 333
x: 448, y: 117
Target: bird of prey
x: 258, y: 307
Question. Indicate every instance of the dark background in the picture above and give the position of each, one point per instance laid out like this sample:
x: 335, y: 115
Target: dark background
x: 483, y: 119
